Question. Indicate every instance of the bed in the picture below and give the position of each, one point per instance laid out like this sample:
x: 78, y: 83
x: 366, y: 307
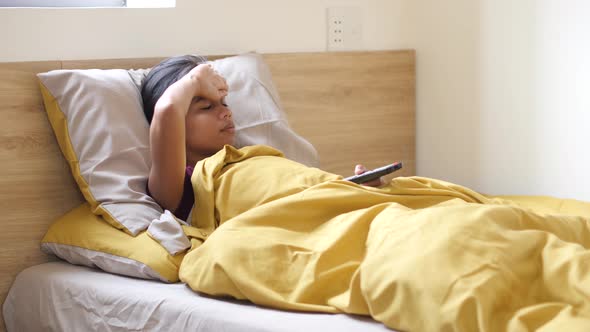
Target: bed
x: 76, y: 298
x: 317, y: 91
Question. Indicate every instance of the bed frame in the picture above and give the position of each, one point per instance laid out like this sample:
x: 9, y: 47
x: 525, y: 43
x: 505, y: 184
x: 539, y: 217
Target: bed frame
x: 353, y: 106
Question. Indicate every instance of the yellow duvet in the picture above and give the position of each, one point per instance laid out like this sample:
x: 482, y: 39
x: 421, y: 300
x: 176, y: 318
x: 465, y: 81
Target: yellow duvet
x: 418, y: 254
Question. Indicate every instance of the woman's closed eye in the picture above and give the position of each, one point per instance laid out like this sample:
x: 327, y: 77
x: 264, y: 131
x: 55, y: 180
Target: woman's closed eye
x: 201, y: 103
x: 204, y: 104
x: 211, y: 105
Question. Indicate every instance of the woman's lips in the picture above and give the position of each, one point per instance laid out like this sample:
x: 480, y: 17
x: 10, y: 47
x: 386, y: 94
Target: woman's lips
x: 229, y: 128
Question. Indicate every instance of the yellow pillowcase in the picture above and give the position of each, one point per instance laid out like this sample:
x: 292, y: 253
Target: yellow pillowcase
x: 83, y: 238
x: 99, y: 124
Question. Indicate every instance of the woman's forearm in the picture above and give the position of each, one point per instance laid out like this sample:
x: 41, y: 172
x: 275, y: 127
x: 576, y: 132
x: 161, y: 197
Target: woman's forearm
x: 168, y: 131
x: 167, y: 143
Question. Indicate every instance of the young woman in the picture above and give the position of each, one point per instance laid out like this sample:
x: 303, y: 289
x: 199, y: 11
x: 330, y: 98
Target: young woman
x: 184, y: 102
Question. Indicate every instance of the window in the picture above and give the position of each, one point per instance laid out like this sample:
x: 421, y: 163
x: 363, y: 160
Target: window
x: 88, y: 3
x: 151, y: 3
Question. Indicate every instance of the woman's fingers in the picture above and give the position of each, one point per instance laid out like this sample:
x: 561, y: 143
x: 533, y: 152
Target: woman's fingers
x: 211, y: 85
x: 375, y: 183
x: 360, y: 169
x: 221, y: 83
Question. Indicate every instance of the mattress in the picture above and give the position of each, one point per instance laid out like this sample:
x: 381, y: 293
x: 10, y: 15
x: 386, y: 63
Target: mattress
x: 58, y: 296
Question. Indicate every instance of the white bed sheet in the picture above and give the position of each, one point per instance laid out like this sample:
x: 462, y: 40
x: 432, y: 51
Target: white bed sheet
x: 58, y: 296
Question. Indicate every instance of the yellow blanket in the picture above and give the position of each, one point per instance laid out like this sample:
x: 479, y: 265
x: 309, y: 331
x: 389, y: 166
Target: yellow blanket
x: 418, y: 255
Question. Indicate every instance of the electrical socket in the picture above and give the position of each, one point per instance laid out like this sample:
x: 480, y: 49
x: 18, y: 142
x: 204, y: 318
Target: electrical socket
x: 344, y: 28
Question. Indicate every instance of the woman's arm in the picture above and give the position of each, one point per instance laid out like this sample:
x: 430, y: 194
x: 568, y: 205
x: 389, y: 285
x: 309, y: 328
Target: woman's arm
x: 167, y: 132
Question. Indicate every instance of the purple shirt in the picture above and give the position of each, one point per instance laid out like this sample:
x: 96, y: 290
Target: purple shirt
x: 188, y: 197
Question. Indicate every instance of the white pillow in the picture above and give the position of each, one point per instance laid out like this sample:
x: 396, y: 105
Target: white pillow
x: 98, y: 120
x: 256, y: 106
x: 257, y: 110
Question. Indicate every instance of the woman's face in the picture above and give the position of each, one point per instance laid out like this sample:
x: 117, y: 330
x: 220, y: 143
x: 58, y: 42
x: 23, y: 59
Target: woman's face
x: 209, y: 126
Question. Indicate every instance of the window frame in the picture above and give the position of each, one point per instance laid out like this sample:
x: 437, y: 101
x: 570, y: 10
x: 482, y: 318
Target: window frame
x: 87, y: 3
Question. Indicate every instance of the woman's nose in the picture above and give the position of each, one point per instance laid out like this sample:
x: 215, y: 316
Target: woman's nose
x: 225, y: 112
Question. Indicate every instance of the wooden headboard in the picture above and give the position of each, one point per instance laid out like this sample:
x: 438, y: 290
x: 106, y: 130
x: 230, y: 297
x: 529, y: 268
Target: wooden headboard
x: 355, y: 107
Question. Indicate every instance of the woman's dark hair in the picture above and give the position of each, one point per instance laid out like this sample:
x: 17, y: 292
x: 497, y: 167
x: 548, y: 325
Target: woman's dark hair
x: 162, y: 76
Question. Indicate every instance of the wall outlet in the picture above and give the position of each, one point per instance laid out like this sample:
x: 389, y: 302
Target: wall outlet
x: 345, y: 31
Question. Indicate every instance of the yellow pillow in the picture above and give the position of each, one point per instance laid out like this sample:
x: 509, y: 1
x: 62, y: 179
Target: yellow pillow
x: 99, y: 124
x: 83, y: 238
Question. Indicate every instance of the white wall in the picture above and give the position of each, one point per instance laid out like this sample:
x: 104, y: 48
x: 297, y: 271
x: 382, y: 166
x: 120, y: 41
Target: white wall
x: 504, y: 94
x: 503, y: 86
x: 206, y: 27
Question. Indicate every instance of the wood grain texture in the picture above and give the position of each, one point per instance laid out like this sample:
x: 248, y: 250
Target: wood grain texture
x: 355, y: 107
x: 35, y: 183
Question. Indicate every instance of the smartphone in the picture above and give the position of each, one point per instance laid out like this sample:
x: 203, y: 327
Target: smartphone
x: 374, y: 174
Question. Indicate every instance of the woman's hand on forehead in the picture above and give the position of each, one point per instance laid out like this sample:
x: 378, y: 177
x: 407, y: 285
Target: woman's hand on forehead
x: 209, y: 84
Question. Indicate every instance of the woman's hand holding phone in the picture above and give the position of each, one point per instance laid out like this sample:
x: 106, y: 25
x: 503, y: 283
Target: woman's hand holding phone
x: 372, y: 178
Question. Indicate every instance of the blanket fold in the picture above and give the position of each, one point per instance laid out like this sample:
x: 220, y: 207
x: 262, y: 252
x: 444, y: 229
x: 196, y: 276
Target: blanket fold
x: 418, y: 254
